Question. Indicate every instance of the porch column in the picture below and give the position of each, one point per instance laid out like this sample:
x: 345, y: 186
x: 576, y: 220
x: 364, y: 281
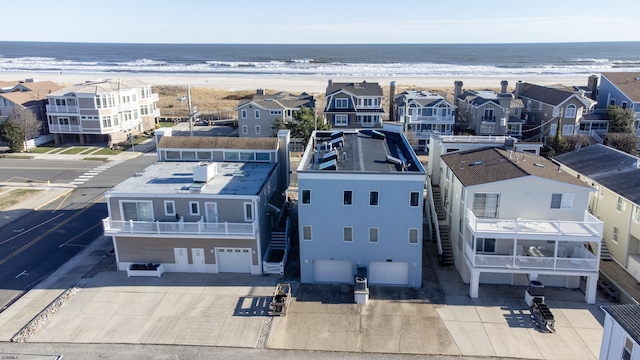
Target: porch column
x: 591, y: 289
x: 474, y: 284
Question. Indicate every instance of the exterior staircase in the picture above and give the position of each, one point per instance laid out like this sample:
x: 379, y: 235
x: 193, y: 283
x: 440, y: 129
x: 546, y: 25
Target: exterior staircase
x: 605, y: 255
x: 446, y: 259
x: 278, y: 239
x: 437, y: 199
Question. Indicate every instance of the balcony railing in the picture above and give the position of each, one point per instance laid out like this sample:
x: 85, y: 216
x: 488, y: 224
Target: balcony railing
x: 426, y: 134
x: 436, y: 119
x: 590, y: 227
x: 580, y: 261
x: 52, y: 108
x: 119, y: 227
x: 489, y: 119
x: 57, y: 128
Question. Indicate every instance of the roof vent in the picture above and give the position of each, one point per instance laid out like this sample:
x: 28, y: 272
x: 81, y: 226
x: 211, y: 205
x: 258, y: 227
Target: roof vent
x: 538, y: 165
x: 476, y: 163
x: 239, y: 172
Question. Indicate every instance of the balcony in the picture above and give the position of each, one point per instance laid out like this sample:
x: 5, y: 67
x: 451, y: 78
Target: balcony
x: 488, y: 119
x: 426, y: 134
x: 589, y: 229
x: 177, y: 228
x: 57, y: 128
x: 52, y: 108
x: 576, y: 259
x: 436, y: 119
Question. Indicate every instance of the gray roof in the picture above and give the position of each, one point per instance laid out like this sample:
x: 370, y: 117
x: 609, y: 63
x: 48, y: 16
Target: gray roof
x: 270, y: 103
x: 359, y: 89
x: 217, y: 142
x: 613, y: 169
x: 177, y: 177
x: 544, y: 94
x: 627, y: 82
x: 99, y: 87
x: 488, y: 165
x: 628, y: 316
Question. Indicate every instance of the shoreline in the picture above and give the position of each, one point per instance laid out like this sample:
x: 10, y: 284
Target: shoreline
x: 292, y: 83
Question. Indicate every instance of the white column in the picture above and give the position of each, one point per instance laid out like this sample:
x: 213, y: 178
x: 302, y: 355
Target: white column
x: 474, y: 284
x: 591, y: 289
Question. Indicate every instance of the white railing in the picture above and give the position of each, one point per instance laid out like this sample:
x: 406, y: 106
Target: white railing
x: 119, y: 227
x: 474, y: 139
x: 590, y: 226
x: 435, y: 119
x: 278, y: 267
x: 56, y: 128
x: 426, y: 134
x: 62, y: 109
x: 581, y: 260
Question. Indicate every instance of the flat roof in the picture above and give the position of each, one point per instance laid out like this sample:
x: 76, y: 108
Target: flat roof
x: 375, y: 151
x: 232, y: 178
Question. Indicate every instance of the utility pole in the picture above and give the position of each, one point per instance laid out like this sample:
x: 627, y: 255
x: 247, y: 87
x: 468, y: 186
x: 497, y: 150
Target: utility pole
x: 190, y: 111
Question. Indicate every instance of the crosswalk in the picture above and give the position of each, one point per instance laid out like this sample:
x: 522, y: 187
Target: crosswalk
x: 93, y: 172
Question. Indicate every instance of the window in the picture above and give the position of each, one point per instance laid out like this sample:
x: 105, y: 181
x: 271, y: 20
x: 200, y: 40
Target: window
x: 616, y: 231
x: 628, y: 349
x: 620, y: 204
x: 487, y: 128
x: 413, y: 236
x: 257, y: 114
x: 485, y: 205
x: 342, y: 103
x: 570, y: 112
x: 263, y: 156
x: 485, y: 245
x: 612, y: 102
x: 373, y: 198
x: 306, y: 197
x: 257, y: 129
x: 244, y: 114
x: 561, y: 201
x: 306, y: 232
x: 245, y: 129
x: 624, y: 104
x: 137, y: 210
x: 636, y: 214
x: 373, y: 235
x: 488, y: 116
x: 169, y: 208
x: 347, y: 197
x: 415, y: 198
x: 248, y: 211
x: 341, y: 120
x: 194, y: 208
x: 347, y: 233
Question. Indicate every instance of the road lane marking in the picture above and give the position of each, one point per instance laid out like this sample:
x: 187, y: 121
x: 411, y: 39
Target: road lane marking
x: 66, y: 243
x: 24, y: 273
x: 33, y: 228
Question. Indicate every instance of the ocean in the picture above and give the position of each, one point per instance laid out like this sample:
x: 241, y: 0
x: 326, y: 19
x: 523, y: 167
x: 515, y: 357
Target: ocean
x: 384, y: 60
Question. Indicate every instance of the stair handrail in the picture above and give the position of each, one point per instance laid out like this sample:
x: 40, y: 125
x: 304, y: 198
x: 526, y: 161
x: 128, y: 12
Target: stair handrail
x: 434, y: 214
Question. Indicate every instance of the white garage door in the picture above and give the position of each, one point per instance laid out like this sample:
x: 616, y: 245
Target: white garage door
x: 389, y: 273
x: 231, y: 260
x: 334, y: 271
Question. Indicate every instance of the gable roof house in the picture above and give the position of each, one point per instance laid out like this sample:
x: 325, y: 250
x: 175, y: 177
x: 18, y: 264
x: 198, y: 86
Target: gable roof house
x: 616, y: 176
x: 621, y: 335
x: 545, y: 107
x: 621, y: 89
x: 354, y: 105
x: 257, y: 116
x: 212, y: 205
x: 513, y: 217
x: 423, y: 113
x: 487, y: 112
x: 102, y: 110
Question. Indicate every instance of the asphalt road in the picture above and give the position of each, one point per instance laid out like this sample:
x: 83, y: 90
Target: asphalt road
x: 36, y: 245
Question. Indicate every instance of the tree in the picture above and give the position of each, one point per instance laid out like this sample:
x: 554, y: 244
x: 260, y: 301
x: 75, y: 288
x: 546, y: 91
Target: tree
x: 624, y: 142
x: 12, y: 134
x: 305, y: 123
x: 28, y: 123
x: 620, y: 120
x: 278, y: 124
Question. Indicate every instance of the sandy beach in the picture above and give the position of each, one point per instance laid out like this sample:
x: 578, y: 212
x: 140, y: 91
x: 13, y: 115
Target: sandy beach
x: 294, y: 84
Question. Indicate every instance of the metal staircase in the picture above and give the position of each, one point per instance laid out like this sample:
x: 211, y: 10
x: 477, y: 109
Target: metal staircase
x: 446, y: 256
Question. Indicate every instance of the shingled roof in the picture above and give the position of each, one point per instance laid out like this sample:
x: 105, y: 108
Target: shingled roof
x: 99, y: 87
x: 359, y: 89
x: 488, y: 165
x: 216, y: 142
x: 627, y: 82
x: 613, y: 169
x: 628, y: 316
x: 545, y: 94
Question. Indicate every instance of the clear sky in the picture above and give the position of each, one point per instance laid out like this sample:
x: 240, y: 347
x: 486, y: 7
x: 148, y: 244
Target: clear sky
x: 320, y: 21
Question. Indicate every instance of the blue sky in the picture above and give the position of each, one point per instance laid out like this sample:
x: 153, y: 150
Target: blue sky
x: 320, y: 22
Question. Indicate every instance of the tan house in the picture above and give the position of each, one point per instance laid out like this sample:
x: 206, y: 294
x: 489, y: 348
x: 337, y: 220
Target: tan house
x: 616, y: 176
x: 28, y: 94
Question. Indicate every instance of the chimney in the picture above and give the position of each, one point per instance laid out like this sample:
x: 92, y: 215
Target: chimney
x: 457, y: 90
x: 519, y: 89
x: 503, y: 86
x: 330, y: 82
x: 260, y: 92
x: 392, y: 94
x: 592, y: 85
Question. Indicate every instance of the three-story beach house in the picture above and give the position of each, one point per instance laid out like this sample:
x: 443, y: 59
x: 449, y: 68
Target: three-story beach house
x: 423, y: 113
x: 620, y: 89
x: 516, y: 217
x: 354, y: 105
x: 212, y: 204
x: 360, y: 205
x: 257, y: 117
x: 102, y: 111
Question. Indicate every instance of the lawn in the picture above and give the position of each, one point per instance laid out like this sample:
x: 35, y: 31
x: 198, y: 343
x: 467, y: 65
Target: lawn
x: 74, y: 150
x: 15, y: 196
x: 43, y: 149
x: 107, y: 151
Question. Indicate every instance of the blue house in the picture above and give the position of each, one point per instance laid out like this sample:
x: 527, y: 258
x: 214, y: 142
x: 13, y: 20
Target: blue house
x: 620, y: 89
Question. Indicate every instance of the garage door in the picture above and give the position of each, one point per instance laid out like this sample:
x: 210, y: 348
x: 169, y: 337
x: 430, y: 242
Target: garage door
x: 231, y: 260
x: 333, y: 271
x: 389, y: 273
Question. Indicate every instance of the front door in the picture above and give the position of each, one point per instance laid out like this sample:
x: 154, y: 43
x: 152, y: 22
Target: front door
x: 182, y: 259
x: 211, y: 212
x: 197, y: 254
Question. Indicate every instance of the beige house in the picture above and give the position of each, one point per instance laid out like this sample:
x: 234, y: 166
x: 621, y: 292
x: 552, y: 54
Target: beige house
x: 616, y: 176
x: 102, y: 111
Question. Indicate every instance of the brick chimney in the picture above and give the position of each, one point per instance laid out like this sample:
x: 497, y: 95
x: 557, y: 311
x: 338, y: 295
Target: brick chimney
x: 457, y: 90
x: 392, y: 94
